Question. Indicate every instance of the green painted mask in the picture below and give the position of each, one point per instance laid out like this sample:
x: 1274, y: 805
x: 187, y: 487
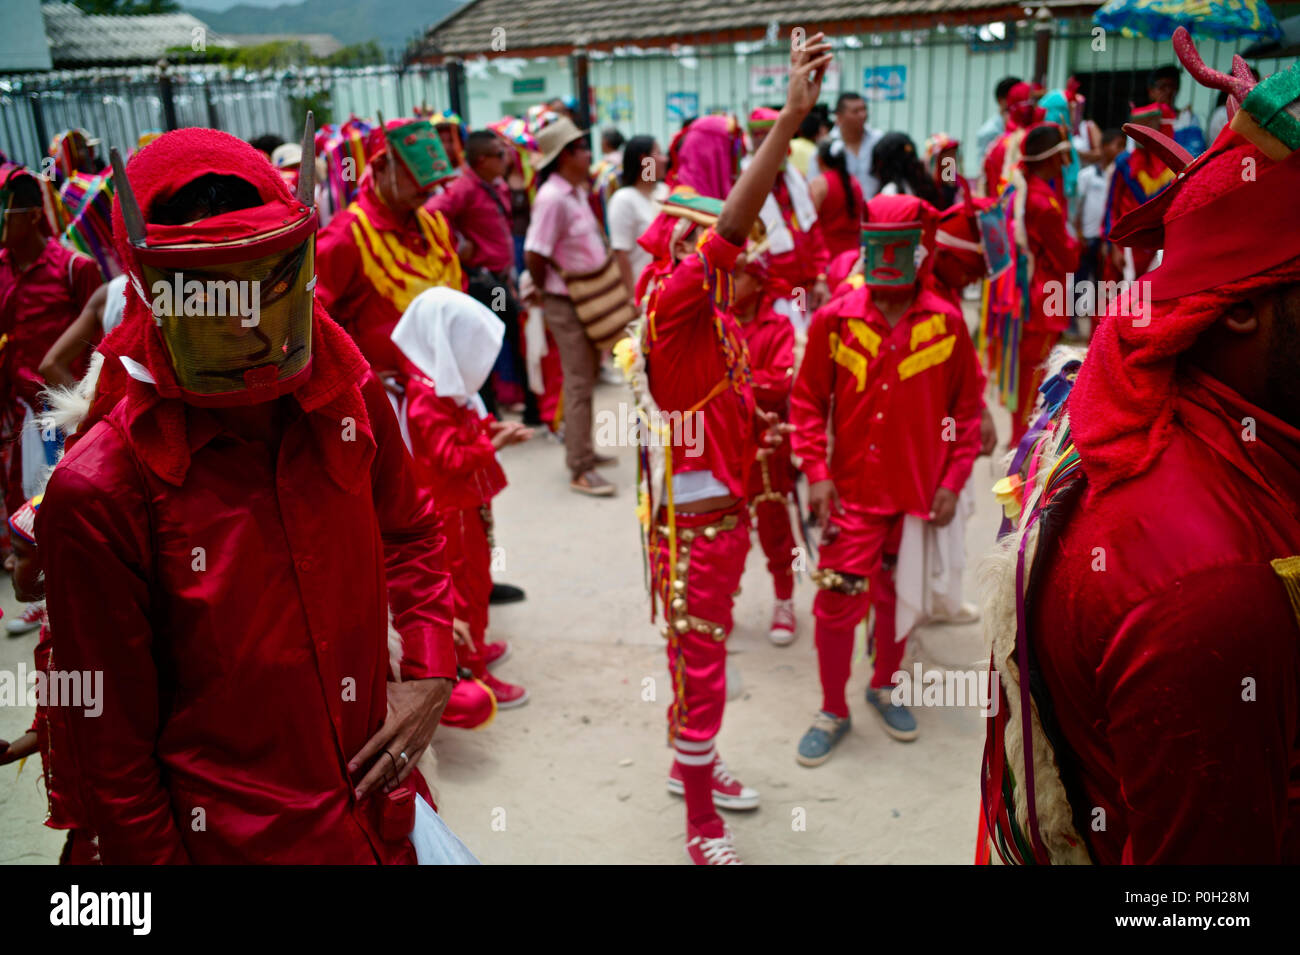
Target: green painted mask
x: 889, y: 253
x: 421, y: 151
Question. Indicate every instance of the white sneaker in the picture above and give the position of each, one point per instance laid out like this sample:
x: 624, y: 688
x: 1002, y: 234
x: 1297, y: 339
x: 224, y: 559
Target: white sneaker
x: 784, y: 625
x: 31, y: 618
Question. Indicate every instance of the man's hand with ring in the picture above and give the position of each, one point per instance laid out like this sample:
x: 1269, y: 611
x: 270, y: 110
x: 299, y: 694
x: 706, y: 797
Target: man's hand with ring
x: 414, y: 709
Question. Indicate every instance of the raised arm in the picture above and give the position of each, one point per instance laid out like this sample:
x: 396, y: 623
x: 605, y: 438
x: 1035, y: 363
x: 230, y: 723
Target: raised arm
x: 808, y: 62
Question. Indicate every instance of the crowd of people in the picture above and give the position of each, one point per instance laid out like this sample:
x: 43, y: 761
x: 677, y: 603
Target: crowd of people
x: 268, y: 518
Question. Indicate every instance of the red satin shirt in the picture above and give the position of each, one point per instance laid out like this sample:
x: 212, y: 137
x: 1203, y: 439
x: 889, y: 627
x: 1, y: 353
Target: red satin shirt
x: 907, y: 402
x: 240, y: 620
x: 36, y: 306
x: 686, y: 363
x: 770, y: 339
x: 1158, y: 604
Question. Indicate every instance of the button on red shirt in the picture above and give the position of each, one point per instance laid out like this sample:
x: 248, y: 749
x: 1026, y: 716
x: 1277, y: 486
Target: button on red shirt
x: 468, y: 206
x: 907, y: 402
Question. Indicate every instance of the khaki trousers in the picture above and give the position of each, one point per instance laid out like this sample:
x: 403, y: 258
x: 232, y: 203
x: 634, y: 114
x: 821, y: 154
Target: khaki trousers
x: 581, y: 365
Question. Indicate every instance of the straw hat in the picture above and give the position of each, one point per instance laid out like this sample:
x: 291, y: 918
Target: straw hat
x: 552, y: 139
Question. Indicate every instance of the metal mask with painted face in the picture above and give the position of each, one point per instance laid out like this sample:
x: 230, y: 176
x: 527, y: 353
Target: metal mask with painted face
x: 420, y: 148
x: 232, y: 293
x: 889, y: 253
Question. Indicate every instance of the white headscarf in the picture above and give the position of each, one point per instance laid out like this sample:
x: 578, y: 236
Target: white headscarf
x: 452, y: 339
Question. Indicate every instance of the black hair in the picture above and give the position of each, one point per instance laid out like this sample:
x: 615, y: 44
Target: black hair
x: 267, y: 143
x: 810, y: 126
x: 829, y: 161
x: 1164, y: 73
x: 846, y: 98
x: 634, y: 154
x: 1112, y: 134
x: 611, y: 139
x: 26, y: 191
x: 481, y: 143
x: 894, y: 159
x: 1041, y: 138
x: 209, y: 195
x: 1003, y: 89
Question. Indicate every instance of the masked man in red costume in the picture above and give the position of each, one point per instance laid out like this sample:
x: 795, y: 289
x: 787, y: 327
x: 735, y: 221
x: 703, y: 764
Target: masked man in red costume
x: 1139, y: 175
x: 386, y: 248
x: 1151, y: 598
x: 689, y: 368
x: 890, y: 370
x: 1051, y: 253
x: 770, y: 340
x: 797, y: 258
x: 1022, y: 112
x: 227, y: 535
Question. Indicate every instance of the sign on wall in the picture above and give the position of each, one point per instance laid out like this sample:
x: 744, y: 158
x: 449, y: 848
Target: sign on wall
x: 614, y: 103
x: 529, y: 84
x: 884, y: 82
x: 769, y: 80
x: 683, y: 106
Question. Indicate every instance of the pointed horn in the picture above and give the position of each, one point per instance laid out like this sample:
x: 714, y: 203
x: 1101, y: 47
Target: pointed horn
x: 1165, y: 149
x: 130, y: 208
x: 307, y: 166
x: 1213, y: 79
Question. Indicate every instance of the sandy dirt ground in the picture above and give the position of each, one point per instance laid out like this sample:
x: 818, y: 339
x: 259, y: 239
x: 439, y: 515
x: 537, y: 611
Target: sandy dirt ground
x: 577, y: 774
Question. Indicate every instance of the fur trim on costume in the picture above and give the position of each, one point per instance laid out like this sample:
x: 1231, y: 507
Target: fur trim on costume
x: 997, y: 573
x: 66, y: 408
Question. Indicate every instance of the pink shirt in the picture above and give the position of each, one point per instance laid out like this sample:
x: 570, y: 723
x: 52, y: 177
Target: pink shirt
x: 565, y: 230
x: 468, y: 205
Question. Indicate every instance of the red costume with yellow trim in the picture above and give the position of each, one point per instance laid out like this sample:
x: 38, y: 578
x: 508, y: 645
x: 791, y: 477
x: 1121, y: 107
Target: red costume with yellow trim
x: 903, y: 403
x: 373, y: 264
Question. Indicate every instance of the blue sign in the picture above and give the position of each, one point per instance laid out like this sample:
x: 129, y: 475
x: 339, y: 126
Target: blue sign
x: 885, y: 82
x: 683, y: 106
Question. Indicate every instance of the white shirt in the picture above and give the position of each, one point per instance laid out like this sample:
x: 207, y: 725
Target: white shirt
x: 1094, y: 183
x: 859, y: 164
x: 630, y: 214
x: 114, y: 304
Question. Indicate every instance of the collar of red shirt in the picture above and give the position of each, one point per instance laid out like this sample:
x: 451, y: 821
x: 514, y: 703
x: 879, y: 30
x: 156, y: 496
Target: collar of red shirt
x: 858, y: 304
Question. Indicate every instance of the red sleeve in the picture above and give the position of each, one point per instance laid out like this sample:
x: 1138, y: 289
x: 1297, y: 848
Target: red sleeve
x: 338, y: 268
x: 436, y: 442
x: 966, y: 404
x: 1200, y: 690
x: 419, y: 587
x: 1046, y: 228
x: 772, y: 363
x: 86, y: 278
x: 810, y: 399
x: 94, y: 523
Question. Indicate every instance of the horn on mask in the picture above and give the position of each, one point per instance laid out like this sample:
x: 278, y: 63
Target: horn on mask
x: 307, y: 168
x: 130, y: 208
